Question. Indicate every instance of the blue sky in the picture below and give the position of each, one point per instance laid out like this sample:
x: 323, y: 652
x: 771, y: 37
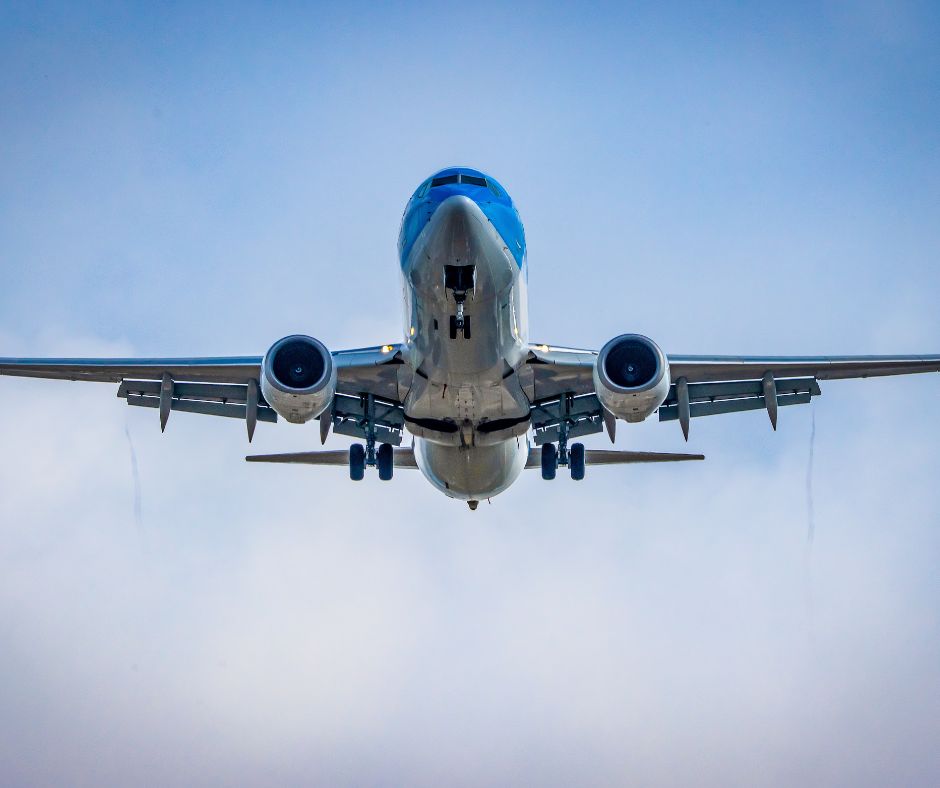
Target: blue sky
x: 734, y: 178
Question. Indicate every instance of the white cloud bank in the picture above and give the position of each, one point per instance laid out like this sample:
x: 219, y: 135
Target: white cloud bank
x: 280, y: 626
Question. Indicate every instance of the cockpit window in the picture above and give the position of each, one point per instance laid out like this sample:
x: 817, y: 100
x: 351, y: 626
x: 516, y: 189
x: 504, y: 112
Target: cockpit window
x: 460, y: 177
x: 423, y: 189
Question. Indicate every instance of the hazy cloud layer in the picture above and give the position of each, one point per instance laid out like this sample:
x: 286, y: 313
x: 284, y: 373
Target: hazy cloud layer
x: 726, y: 182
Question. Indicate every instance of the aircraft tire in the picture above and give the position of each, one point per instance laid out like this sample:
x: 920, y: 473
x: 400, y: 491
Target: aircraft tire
x: 576, y: 461
x: 385, y: 459
x: 549, y: 461
x: 357, y: 462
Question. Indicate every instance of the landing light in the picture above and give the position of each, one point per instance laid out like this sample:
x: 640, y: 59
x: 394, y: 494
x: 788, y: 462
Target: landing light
x: 387, y: 348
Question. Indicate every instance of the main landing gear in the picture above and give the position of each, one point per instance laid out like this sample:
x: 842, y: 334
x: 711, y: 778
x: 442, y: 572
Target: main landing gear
x: 361, y: 456
x: 383, y: 459
x: 553, y: 456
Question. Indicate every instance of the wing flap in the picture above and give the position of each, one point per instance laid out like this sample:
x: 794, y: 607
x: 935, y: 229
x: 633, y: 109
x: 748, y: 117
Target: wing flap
x: 707, y: 392
x: 713, y: 399
x: 213, y: 392
x: 720, y: 407
x: 204, y: 407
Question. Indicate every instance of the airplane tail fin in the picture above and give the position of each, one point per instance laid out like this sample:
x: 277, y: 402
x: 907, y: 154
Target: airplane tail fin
x: 404, y: 458
x: 609, y: 457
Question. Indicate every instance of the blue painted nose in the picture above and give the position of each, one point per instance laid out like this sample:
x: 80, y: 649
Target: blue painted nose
x: 456, y: 226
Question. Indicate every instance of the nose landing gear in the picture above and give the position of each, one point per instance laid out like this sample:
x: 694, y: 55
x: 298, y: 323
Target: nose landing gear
x: 459, y: 280
x: 460, y: 323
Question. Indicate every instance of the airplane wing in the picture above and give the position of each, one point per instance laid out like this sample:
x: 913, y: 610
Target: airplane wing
x: 709, y: 385
x: 228, y: 386
x: 236, y: 370
x: 702, y: 369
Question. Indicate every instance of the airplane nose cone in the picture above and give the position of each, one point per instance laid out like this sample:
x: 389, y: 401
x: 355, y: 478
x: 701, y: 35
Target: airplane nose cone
x: 456, y: 224
x: 457, y: 205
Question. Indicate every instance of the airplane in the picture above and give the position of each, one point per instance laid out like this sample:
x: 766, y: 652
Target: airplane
x: 481, y: 402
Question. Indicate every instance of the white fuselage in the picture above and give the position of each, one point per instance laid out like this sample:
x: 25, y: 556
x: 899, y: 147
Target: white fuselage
x: 465, y: 403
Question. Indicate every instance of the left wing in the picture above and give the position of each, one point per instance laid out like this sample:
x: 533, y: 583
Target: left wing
x: 236, y: 370
x: 711, y: 385
x: 702, y: 369
x: 224, y: 386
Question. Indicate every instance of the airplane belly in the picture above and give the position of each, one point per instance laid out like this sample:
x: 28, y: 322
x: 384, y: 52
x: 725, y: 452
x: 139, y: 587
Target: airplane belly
x: 472, y: 472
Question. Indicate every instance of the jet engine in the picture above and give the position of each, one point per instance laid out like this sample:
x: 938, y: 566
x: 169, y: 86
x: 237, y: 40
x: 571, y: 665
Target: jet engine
x: 298, y: 378
x: 631, y: 377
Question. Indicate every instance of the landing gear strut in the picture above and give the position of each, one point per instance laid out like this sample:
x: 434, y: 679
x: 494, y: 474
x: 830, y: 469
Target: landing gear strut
x: 552, y: 457
x: 459, y: 279
x: 361, y: 456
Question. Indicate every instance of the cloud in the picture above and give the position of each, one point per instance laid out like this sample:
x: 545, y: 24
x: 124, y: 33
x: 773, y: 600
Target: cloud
x: 287, y: 628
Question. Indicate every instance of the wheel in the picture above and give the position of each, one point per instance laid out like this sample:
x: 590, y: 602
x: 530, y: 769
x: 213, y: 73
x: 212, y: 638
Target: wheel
x: 576, y: 461
x: 385, y: 459
x: 466, y: 327
x: 549, y: 461
x: 357, y: 462
x: 453, y: 326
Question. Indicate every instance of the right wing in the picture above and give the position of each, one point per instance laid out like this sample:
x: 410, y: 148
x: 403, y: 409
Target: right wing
x: 236, y: 370
x: 702, y: 369
x: 229, y: 386
x: 559, y: 370
x: 700, y: 385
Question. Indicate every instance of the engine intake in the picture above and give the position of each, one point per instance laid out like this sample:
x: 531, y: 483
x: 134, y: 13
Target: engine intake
x: 631, y: 377
x: 298, y: 378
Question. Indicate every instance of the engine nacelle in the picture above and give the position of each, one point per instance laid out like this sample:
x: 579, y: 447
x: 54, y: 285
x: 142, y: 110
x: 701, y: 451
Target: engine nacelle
x: 298, y: 378
x: 631, y: 377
